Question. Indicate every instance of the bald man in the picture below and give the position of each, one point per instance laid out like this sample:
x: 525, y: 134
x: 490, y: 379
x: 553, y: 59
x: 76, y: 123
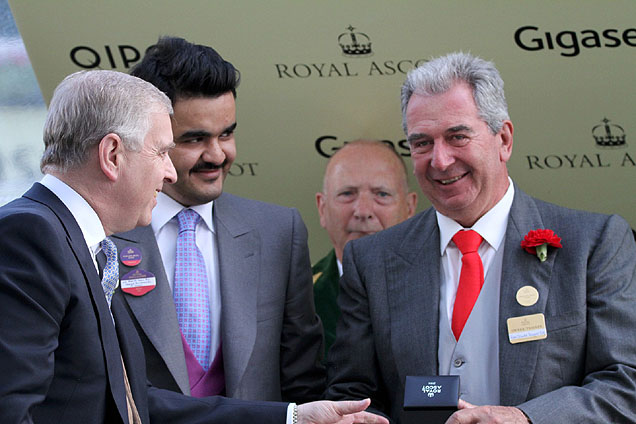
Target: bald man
x: 365, y: 190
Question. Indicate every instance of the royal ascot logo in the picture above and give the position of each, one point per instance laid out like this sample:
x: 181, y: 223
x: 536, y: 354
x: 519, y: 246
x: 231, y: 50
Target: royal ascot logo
x: 431, y: 389
x: 355, y: 44
x: 609, y: 135
x: 352, y: 44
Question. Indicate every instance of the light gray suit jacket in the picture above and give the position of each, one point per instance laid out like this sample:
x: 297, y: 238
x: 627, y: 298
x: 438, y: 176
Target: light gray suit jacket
x: 271, y: 335
x: 585, y: 371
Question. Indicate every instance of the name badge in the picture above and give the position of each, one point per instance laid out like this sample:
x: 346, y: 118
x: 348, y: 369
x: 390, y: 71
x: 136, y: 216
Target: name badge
x: 130, y: 256
x: 138, y: 282
x: 526, y: 328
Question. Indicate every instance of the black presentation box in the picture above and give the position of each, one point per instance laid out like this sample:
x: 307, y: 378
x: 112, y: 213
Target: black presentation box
x: 430, y: 400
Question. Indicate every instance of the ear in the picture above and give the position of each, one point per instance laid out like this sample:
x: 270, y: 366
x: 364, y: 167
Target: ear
x: 110, y: 152
x: 411, y: 202
x: 320, y: 204
x: 506, y: 141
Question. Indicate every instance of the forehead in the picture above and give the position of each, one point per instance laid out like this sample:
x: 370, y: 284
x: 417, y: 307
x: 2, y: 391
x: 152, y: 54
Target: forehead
x: 446, y: 110
x: 160, y: 132
x: 205, y: 111
x: 357, y: 166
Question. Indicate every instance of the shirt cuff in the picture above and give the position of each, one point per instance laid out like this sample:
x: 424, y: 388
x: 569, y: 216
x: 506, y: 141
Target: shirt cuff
x: 290, y: 413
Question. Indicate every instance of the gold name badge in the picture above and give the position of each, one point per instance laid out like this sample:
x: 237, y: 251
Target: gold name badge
x: 526, y: 328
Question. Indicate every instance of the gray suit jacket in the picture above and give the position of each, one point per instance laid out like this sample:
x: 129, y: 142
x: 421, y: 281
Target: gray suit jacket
x: 271, y: 335
x: 585, y: 371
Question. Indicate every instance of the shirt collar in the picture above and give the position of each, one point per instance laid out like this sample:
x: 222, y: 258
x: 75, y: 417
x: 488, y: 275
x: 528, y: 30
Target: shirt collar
x: 491, y: 226
x: 167, y: 208
x: 85, y: 216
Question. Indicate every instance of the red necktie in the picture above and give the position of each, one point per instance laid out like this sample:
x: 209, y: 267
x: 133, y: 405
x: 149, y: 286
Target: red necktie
x: 471, y: 278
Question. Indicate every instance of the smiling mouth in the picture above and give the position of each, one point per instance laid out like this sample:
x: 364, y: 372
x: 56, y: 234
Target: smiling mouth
x: 452, y: 180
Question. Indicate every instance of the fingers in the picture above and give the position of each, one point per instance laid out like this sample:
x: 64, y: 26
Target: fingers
x: 346, y: 407
x: 368, y: 418
x: 462, y: 404
x: 488, y: 414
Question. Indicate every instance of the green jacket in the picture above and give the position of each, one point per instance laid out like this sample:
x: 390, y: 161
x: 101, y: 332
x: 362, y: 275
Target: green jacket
x: 326, y: 288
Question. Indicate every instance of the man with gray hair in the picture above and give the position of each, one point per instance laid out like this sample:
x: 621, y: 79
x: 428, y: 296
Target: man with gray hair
x: 531, y: 304
x: 69, y: 352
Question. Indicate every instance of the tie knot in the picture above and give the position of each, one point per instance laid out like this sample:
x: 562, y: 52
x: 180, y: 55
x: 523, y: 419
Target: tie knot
x: 188, y: 220
x: 109, y: 249
x: 467, y: 241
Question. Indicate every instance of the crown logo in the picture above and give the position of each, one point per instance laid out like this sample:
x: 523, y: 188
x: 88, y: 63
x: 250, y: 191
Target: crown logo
x: 609, y: 135
x: 355, y: 44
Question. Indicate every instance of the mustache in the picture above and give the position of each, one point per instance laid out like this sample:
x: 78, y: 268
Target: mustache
x: 207, y: 166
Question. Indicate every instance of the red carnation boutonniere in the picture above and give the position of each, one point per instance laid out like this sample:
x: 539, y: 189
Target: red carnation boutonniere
x: 537, y: 242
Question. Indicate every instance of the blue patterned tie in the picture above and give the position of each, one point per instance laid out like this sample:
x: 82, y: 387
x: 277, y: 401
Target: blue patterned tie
x: 110, y: 281
x: 110, y: 275
x: 191, y: 291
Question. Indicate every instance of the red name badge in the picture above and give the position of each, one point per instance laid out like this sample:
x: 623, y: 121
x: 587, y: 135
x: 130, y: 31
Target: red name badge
x: 138, y: 282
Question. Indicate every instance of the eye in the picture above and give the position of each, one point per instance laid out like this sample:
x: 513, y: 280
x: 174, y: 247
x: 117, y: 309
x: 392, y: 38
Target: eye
x: 227, y: 134
x: 192, y: 140
x: 346, y: 196
x: 421, y: 146
x: 458, y: 139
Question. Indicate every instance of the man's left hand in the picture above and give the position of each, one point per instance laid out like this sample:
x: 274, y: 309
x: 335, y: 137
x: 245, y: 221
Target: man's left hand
x: 472, y: 414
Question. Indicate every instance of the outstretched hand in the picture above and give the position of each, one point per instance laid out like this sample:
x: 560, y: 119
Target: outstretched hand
x: 472, y: 414
x: 343, y: 412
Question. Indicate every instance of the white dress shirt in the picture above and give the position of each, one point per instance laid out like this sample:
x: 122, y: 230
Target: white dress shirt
x: 85, y: 216
x: 166, y: 229
x: 491, y: 226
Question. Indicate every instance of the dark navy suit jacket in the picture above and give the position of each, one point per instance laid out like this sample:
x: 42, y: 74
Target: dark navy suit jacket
x: 59, y: 350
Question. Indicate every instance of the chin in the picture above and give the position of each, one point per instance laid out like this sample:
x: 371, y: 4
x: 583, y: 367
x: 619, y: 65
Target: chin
x: 143, y: 221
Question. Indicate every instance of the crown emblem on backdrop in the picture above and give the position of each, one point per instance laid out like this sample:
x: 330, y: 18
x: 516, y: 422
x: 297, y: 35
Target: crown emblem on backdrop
x: 609, y: 135
x: 355, y: 44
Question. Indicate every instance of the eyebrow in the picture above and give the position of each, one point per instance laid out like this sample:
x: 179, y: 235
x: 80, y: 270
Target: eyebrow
x: 203, y: 133
x: 231, y: 128
x: 458, y: 128
x: 193, y: 134
x: 451, y: 130
x: 416, y: 136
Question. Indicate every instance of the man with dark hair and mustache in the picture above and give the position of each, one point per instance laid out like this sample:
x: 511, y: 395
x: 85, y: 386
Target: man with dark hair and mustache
x: 250, y: 331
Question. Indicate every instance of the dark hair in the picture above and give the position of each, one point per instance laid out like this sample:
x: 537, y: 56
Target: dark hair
x: 182, y: 70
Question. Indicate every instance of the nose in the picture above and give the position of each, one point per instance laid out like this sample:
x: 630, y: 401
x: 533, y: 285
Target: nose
x: 441, y: 156
x: 363, y: 208
x: 213, y: 152
x: 170, y: 174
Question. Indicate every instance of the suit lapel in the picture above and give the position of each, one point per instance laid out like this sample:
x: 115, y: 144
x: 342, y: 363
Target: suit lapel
x: 517, y: 362
x: 155, y: 311
x: 107, y: 334
x: 413, y: 291
x: 239, y: 260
